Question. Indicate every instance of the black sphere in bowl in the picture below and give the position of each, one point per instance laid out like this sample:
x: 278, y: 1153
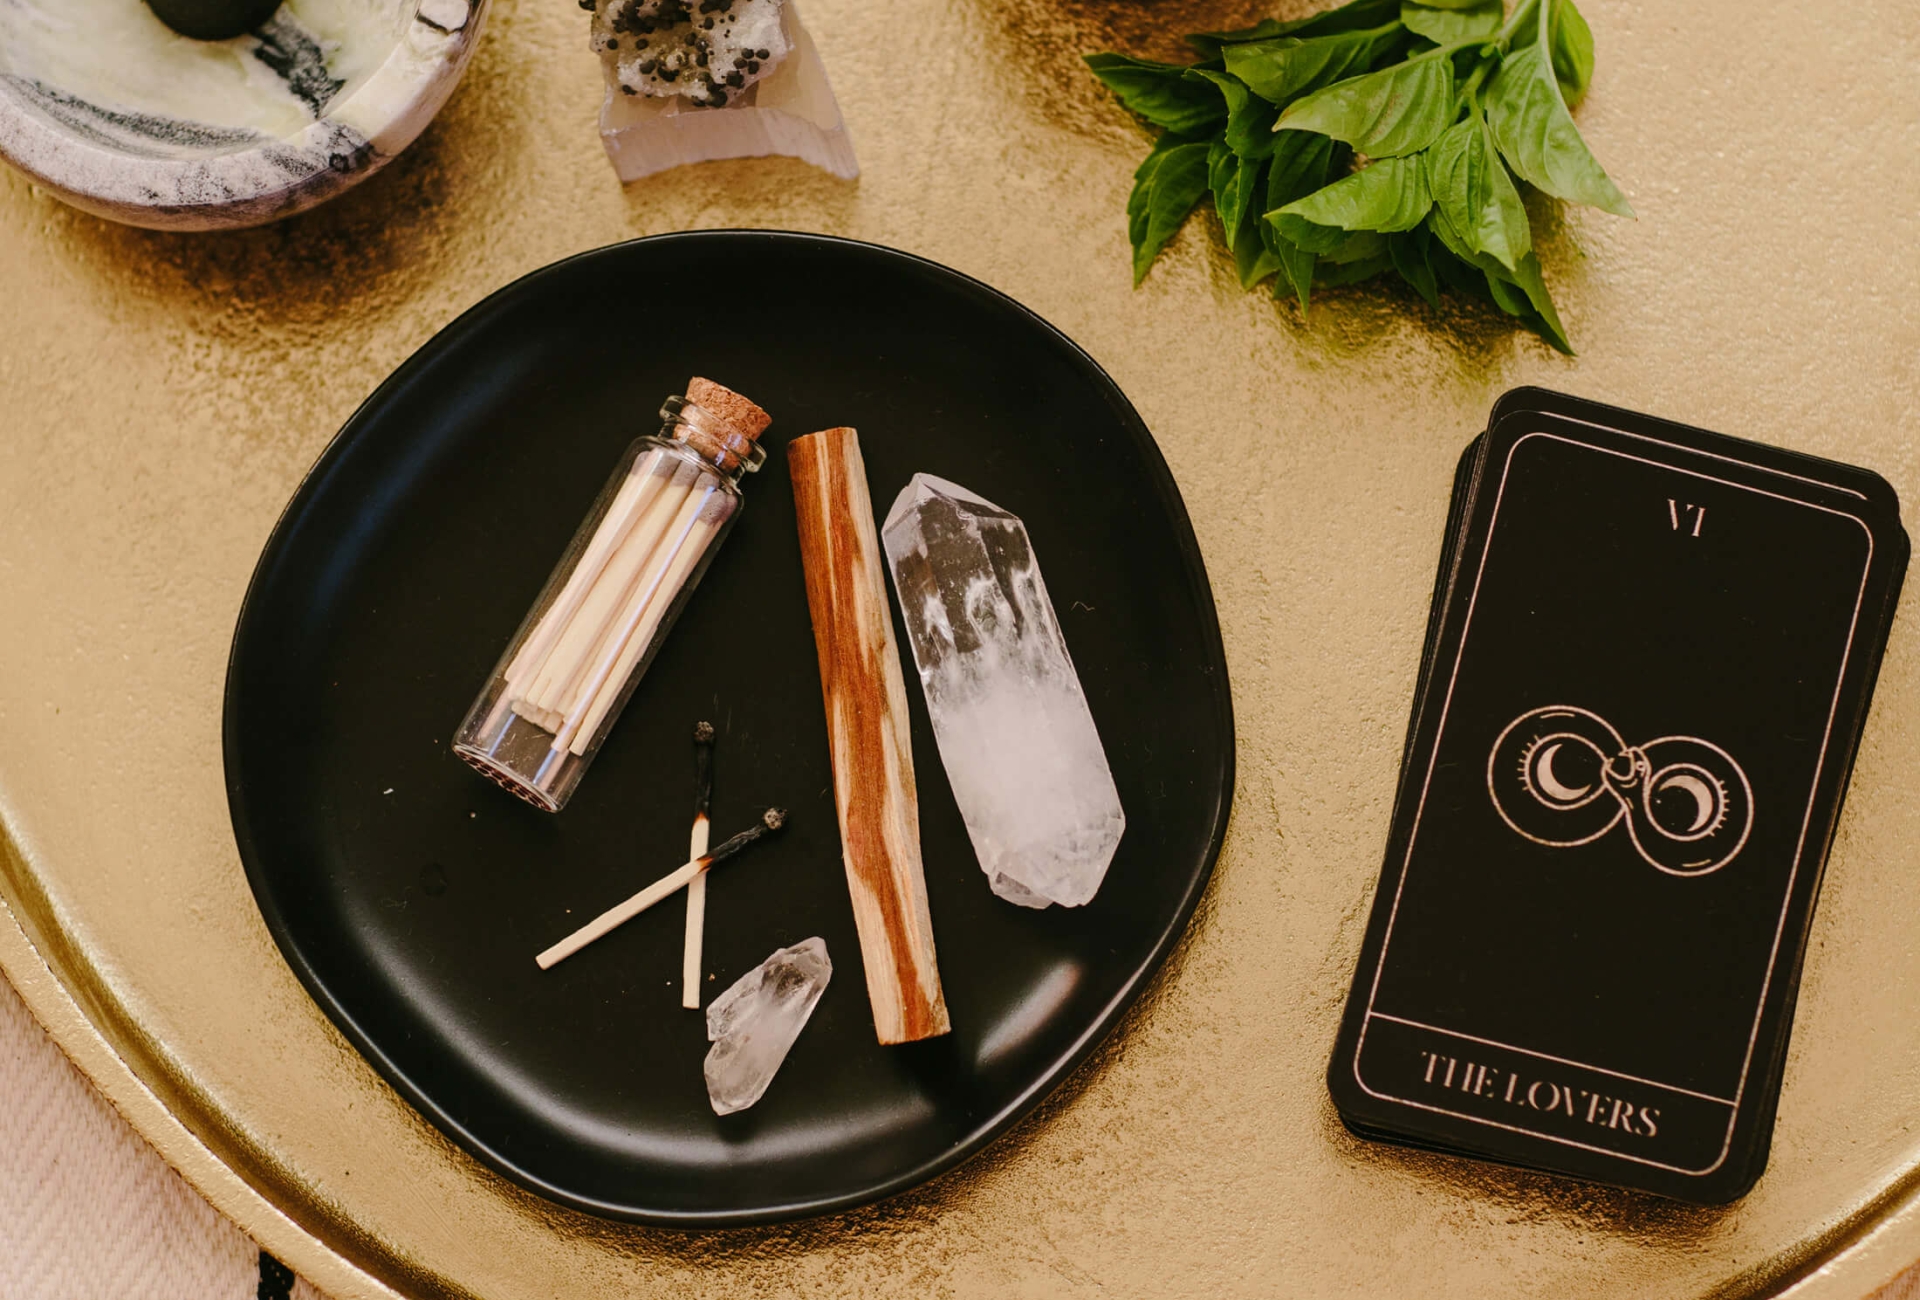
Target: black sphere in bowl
x: 213, y: 20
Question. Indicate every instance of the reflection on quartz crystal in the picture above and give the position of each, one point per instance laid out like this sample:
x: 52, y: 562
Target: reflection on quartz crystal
x: 753, y: 1024
x: 1019, y: 745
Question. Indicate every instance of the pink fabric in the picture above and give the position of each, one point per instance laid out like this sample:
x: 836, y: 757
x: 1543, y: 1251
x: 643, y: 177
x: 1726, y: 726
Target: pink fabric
x: 89, y: 1211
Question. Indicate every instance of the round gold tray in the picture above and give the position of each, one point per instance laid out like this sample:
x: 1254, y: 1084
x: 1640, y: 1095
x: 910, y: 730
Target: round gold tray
x: 163, y: 394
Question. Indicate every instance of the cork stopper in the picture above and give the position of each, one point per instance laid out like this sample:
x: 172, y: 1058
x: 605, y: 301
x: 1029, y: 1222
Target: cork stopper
x: 728, y: 405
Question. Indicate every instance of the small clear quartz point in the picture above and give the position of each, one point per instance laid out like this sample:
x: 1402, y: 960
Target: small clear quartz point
x: 1015, y: 735
x: 754, y: 1023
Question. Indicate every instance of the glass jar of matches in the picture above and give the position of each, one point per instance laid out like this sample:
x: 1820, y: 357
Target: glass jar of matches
x: 613, y: 597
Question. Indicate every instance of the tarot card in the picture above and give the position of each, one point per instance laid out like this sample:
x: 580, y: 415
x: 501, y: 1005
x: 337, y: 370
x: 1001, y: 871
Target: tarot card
x: 1652, y: 654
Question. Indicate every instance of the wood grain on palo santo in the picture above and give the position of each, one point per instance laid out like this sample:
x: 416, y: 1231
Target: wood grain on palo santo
x: 866, y: 705
x: 770, y: 821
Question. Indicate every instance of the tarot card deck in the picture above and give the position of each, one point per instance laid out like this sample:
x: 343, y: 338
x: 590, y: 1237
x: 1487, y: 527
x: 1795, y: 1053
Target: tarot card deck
x: 1649, y: 660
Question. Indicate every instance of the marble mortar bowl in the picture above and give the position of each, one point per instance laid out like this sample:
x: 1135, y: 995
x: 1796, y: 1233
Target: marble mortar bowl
x: 105, y: 106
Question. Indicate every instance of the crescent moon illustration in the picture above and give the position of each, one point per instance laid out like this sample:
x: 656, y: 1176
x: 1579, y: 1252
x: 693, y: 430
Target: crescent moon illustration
x: 1551, y: 785
x: 1686, y: 803
x: 1705, y: 801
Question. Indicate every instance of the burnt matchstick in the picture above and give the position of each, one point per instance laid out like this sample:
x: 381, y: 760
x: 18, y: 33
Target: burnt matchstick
x: 696, y: 847
x: 702, y: 770
x: 770, y: 821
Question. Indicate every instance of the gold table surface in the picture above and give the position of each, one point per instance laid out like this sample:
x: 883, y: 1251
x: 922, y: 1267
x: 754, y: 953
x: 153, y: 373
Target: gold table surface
x: 162, y: 395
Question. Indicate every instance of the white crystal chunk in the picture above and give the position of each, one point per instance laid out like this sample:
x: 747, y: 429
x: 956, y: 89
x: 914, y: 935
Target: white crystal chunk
x: 1015, y: 735
x: 706, y: 53
x: 790, y: 110
x: 754, y: 1023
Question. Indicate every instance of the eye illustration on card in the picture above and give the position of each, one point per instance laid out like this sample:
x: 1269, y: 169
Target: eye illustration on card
x: 1562, y: 776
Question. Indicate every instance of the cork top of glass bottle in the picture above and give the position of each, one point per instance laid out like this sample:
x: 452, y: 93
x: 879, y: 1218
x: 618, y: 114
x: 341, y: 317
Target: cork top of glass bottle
x: 719, y: 424
x: 728, y: 405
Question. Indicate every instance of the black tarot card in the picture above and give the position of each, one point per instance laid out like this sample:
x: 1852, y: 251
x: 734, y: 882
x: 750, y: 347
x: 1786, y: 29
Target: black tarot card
x: 1650, y: 657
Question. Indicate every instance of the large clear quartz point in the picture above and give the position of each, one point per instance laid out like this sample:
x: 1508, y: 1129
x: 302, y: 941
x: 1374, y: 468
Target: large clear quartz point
x: 1018, y: 743
x: 753, y: 1024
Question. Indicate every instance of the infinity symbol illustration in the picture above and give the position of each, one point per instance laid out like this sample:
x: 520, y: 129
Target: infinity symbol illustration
x: 1562, y: 776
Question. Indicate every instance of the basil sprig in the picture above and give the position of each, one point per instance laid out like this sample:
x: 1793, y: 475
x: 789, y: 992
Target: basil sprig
x: 1384, y: 135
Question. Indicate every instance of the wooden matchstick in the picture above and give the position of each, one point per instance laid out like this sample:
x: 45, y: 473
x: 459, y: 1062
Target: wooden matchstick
x: 866, y: 700
x: 614, y: 917
x: 641, y: 486
x: 696, y: 848
x: 598, y: 686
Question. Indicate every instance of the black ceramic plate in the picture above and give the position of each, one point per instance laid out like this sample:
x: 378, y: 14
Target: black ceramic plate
x: 410, y: 896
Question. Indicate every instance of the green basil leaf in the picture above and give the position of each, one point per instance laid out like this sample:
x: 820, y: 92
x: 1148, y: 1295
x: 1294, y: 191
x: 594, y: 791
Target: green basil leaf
x: 1449, y: 24
x: 1143, y: 190
x: 1387, y: 195
x: 1521, y: 291
x: 1296, y: 271
x: 1281, y: 69
x: 1398, y: 110
x: 1249, y: 117
x: 1409, y: 250
x: 1160, y: 92
x: 1453, y: 273
x: 1348, y: 17
x: 1352, y: 272
x: 1525, y: 302
x: 1223, y: 178
x: 1535, y: 132
x: 1302, y: 162
x: 1508, y: 296
x: 1449, y: 235
x: 1234, y: 184
x: 1213, y: 45
x: 1471, y: 185
x: 1176, y: 183
x: 1307, y: 236
x: 1143, y: 184
x: 1532, y: 304
x: 1251, y: 256
x: 1357, y: 246
x: 1529, y: 278
x: 1571, y: 42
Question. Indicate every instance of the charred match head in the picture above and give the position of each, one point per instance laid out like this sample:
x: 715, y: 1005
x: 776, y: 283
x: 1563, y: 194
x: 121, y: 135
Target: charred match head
x: 770, y: 821
x: 702, y: 769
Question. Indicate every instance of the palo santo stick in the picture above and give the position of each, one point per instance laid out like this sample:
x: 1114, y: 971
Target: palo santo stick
x: 615, y: 917
x: 697, y: 847
x: 867, y: 729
